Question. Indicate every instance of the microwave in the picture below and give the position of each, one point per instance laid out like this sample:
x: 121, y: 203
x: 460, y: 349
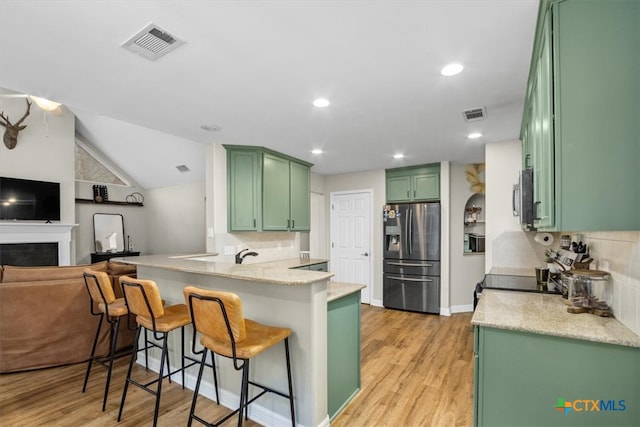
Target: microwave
x: 523, y: 204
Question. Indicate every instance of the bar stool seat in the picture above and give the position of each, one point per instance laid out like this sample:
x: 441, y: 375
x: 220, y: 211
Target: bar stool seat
x: 218, y: 318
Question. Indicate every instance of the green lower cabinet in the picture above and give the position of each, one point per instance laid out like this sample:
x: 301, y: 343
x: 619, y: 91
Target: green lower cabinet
x: 343, y: 352
x: 323, y: 266
x: 525, y: 379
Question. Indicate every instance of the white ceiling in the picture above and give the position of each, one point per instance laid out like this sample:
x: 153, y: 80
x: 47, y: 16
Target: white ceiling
x: 254, y: 67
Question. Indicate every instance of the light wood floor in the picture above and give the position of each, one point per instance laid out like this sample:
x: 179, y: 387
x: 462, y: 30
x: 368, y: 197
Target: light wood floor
x: 417, y: 370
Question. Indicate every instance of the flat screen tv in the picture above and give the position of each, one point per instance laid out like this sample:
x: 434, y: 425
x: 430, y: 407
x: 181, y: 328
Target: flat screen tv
x: 23, y: 199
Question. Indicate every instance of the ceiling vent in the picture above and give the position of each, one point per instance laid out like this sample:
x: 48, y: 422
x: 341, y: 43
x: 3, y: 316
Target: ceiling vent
x: 475, y: 114
x: 183, y: 168
x: 152, y: 42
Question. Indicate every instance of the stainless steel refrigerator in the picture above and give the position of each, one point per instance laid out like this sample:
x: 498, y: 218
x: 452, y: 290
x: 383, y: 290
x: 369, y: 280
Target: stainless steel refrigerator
x: 412, y: 257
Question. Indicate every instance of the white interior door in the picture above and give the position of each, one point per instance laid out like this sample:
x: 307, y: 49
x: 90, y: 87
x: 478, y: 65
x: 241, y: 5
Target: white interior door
x: 351, y: 239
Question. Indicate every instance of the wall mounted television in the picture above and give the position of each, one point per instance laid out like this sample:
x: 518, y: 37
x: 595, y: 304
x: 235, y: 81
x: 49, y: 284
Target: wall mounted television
x: 23, y: 199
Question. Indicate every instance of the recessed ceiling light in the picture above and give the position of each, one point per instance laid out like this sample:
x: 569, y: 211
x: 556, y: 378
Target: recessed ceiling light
x: 321, y: 103
x: 398, y: 156
x: 474, y: 135
x: 210, y: 128
x: 452, y: 69
x: 316, y: 151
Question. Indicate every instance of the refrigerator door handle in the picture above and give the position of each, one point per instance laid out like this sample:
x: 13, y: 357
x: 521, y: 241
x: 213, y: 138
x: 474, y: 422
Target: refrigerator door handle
x: 410, y: 235
x: 408, y: 264
x: 408, y: 279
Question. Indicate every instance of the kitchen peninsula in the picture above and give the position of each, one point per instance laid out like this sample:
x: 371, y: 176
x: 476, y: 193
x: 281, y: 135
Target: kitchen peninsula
x: 272, y: 293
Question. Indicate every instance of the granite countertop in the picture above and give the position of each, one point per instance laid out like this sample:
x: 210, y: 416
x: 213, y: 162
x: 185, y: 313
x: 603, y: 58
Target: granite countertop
x: 547, y: 314
x: 337, y: 290
x: 263, y: 272
x: 293, y: 262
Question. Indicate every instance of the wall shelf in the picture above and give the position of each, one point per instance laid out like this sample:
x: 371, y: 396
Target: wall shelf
x: 108, y: 202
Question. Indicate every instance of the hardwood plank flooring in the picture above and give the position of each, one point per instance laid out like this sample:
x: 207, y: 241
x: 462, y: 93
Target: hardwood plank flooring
x: 417, y: 370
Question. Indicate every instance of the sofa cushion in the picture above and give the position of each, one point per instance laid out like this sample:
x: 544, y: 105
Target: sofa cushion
x: 12, y: 274
x: 120, y: 268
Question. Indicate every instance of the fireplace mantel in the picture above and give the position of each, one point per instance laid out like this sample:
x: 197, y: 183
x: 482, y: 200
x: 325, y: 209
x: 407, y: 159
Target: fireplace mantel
x: 19, y: 232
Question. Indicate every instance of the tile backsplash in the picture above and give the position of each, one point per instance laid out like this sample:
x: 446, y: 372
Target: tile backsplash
x: 619, y: 254
x: 271, y: 246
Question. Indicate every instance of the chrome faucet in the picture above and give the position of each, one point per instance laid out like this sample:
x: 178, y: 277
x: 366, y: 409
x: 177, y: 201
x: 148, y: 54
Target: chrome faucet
x: 240, y: 257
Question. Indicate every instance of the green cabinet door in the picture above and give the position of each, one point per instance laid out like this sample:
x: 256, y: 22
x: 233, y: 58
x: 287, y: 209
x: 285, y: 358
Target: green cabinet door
x: 343, y: 352
x: 543, y: 144
x: 243, y: 192
x: 399, y: 189
x: 426, y: 186
x: 275, y: 193
x: 521, y: 379
x: 300, y: 209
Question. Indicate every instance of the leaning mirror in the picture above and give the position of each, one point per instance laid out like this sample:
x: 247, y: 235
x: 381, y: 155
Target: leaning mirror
x: 108, y: 232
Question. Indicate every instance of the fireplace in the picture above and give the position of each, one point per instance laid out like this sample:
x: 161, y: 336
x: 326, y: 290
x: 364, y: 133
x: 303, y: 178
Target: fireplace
x: 29, y: 254
x: 21, y: 243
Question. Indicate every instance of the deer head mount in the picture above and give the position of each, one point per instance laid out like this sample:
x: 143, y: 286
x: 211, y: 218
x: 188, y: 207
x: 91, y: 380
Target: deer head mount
x: 10, y: 137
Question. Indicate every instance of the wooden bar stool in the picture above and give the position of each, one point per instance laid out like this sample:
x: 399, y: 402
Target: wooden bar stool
x: 142, y: 298
x: 218, y: 317
x: 111, y: 309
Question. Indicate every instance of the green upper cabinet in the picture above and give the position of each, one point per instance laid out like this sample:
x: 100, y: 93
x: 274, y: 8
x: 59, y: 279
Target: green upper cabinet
x: 413, y: 184
x: 267, y: 191
x: 243, y: 190
x: 580, y: 129
x: 300, y: 197
x: 286, y: 194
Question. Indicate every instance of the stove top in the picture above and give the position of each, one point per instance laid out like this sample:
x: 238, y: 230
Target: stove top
x: 512, y: 283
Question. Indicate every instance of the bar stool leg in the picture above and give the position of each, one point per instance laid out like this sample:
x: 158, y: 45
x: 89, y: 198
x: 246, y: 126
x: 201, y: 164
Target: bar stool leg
x: 126, y: 383
x: 286, y: 351
x: 114, y: 344
x: 93, y: 352
x: 165, y: 354
x: 215, y: 375
x: 243, y: 391
x: 197, y: 387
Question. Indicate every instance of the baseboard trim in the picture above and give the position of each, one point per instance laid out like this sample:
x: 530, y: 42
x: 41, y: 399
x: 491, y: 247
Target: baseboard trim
x: 257, y: 413
x: 465, y: 308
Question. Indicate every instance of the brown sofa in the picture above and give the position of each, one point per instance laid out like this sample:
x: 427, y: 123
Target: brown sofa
x: 45, y: 317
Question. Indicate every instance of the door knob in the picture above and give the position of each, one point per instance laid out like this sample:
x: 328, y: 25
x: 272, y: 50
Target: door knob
x: 365, y: 254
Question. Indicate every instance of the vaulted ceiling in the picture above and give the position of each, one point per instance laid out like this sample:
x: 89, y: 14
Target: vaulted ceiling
x: 253, y: 68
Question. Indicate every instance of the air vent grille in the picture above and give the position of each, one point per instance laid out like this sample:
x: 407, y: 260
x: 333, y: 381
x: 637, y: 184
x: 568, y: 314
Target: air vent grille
x: 152, y: 42
x: 475, y: 114
x: 183, y: 168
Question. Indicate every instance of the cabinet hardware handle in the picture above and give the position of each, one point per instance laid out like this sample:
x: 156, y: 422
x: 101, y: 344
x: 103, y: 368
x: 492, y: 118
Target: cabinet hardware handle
x: 254, y: 223
x: 293, y: 223
x: 288, y: 223
x: 414, y: 194
x: 408, y: 193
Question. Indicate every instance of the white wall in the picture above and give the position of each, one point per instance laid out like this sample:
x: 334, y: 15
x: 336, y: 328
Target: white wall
x: 45, y: 150
x: 466, y: 269
x: 374, y: 180
x: 175, y: 219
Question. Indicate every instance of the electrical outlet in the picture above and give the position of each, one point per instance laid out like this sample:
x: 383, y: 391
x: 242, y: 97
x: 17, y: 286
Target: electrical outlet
x: 210, y: 232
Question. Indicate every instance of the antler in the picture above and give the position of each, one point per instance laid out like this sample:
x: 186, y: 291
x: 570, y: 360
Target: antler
x: 6, y: 118
x: 25, y: 114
